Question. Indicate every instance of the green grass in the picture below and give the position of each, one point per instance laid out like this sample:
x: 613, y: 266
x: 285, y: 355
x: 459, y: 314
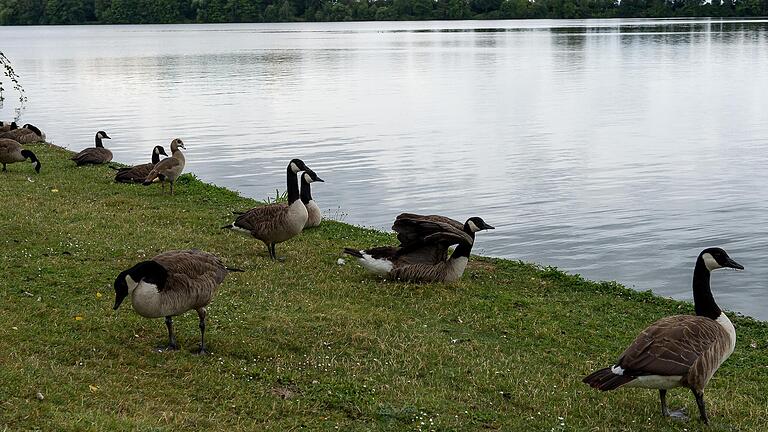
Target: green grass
x: 503, y: 349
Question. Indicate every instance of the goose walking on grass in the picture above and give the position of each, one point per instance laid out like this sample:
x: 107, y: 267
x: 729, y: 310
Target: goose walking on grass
x: 138, y: 173
x: 314, y: 216
x: 169, y: 168
x: 423, y: 252
x: 278, y: 222
x: 11, y: 152
x: 94, y: 155
x: 680, y: 350
x: 170, y: 284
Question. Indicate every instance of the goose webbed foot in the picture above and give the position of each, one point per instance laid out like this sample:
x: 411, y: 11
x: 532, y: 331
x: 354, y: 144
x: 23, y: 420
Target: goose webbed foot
x: 167, y: 348
x: 201, y: 352
x: 681, y: 414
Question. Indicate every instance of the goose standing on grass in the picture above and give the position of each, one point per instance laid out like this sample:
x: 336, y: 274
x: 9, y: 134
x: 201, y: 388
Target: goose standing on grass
x: 423, y: 252
x: 314, y: 216
x: 169, y: 168
x: 8, y: 126
x: 138, y: 173
x: 11, y: 151
x: 278, y: 222
x: 680, y: 350
x: 170, y: 284
x: 94, y: 155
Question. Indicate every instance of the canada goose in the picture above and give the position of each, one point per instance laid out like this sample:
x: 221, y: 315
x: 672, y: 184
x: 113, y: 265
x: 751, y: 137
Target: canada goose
x: 25, y: 135
x: 680, y: 350
x: 8, y: 126
x: 423, y: 252
x: 314, y: 216
x: 170, y: 284
x: 94, y: 155
x: 137, y: 174
x: 278, y: 222
x: 169, y: 168
x: 11, y: 151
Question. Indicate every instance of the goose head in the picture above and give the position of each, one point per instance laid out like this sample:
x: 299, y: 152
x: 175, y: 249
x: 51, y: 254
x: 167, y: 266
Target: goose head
x: 177, y: 144
x: 475, y: 224
x: 148, y: 272
x: 297, y: 165
x: 14, y: 126
x: 309, y: 176
x: 716, y: 258
x: 159, y: 150
x: 102, y: 135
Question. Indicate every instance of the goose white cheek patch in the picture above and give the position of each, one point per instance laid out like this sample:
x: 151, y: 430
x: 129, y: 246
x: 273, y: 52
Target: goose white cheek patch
x: 710, y: 262
x: 473, y: 227
x: 294, y: 168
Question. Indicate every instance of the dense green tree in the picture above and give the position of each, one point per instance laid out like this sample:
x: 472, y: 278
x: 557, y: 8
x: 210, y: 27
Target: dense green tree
x: 64, y: 12
x: 25, y: 12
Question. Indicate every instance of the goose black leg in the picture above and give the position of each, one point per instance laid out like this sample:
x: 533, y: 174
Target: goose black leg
x: 4, y: 168
x: 201, y: 313
x: 700, y: 402
x: 680, y: 414
x: 272, y: 253
x: 172, y: 346
x: 171, y: 187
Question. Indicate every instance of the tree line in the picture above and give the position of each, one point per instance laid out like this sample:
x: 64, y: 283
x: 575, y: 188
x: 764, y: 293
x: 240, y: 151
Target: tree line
x: 34, y: 12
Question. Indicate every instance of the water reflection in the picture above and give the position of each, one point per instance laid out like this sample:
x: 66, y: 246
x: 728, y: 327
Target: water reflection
x: 613, y: 148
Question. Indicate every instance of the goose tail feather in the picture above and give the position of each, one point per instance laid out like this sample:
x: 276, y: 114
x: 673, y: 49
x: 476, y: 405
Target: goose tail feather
x: 604, y: 379
x: 355, y: 253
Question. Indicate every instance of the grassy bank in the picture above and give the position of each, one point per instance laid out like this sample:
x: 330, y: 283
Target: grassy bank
x: 307, y: 343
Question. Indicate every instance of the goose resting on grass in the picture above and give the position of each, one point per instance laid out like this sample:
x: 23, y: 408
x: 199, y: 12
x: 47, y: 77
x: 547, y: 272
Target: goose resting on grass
x: 423, y: 252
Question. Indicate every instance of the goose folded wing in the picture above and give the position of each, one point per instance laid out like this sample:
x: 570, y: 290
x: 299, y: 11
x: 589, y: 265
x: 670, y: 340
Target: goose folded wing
x: 192, y: 268
x: 670, y: 346
x: 165, y: 166
x: 136, y: 173
x: 91, y: 155
x: 262, y: 218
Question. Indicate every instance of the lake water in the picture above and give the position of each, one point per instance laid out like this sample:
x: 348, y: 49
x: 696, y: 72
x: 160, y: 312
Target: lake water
x: 617, y: 149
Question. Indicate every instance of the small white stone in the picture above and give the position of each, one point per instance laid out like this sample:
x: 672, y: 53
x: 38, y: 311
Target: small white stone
x: 39, y: 396
x: 340, y: 261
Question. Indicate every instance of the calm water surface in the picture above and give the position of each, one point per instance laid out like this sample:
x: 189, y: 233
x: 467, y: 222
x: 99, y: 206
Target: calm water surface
x: 617, y: 149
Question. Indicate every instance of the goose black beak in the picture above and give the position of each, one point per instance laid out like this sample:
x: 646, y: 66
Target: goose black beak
x: 107, y: 136
x: 320, y: 180
x: 118, y: 300
x: 489, y: 227
x: 733, y: 264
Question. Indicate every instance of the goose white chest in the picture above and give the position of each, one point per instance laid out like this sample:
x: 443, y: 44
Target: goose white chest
x: 297, y: 217
x: 455, y: 268
x: 147, y: 300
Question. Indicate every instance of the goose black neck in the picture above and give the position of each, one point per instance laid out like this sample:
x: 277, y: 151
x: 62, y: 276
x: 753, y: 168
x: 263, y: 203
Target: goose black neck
x: 293, y: 186
x: 98, y: 141
x: 463, y: 250
x: 155, y: 157
x: 29, y: 155
x: 306, y: 191
x: 703, y: 300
